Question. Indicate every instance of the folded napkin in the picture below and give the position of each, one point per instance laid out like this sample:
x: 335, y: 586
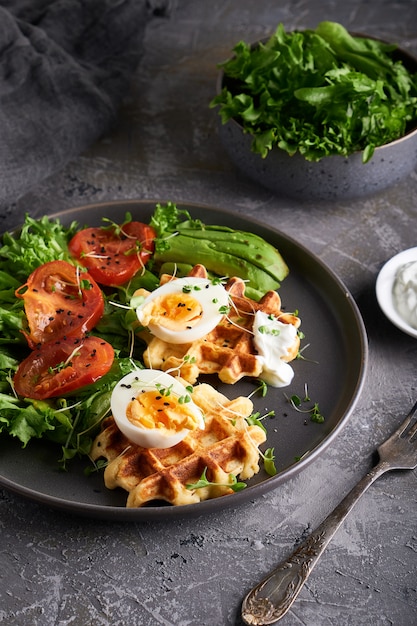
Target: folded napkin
x: 65, y: 65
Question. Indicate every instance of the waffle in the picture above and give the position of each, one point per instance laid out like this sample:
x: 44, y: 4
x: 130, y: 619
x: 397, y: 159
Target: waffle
x: 228, y: 350
x: 228, y: 445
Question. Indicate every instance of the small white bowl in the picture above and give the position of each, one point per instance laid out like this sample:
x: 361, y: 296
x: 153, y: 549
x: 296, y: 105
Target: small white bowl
x: 384, y: 286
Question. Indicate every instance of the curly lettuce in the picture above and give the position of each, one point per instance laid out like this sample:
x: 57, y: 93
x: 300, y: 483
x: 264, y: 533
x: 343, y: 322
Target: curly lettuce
x: 70, y: 422
x: 318, y: 92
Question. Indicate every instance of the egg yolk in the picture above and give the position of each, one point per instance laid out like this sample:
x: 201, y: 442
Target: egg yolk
x: 152, y: 409
x: 176, y: 311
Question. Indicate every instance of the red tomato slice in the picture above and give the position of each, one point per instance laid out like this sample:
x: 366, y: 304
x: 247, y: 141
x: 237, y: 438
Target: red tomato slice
x: 57, y: 368
x: 60, y: 301
x: 114, y: 255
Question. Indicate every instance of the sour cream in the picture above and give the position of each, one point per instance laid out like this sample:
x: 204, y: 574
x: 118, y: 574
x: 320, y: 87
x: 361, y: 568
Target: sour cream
x: 404, y: 293
x: 273, y: 340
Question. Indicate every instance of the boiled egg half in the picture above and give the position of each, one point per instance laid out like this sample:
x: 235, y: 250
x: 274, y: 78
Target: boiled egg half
x: 184, y: 309
x: 153, y: 409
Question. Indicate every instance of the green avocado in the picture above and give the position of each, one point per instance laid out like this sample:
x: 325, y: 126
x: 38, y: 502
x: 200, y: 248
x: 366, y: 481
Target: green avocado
x: 226, y: 259
x: 243, y: 245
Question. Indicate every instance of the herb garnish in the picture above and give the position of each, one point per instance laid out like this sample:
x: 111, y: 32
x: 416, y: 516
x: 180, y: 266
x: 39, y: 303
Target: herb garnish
x: 204, y: 482
x: 314, y: 411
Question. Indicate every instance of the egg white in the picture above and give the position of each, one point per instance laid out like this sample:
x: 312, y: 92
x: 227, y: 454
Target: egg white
x: 213, y: 299
x: 131, y: 386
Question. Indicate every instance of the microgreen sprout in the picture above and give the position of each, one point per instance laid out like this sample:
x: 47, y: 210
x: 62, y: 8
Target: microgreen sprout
x: 82, y: 283
x: 117, y: 228
x: 218, y: 281
x: 9, y: 379
x: 119, y: 231
x: 262, y: 388
x: 96, y: 467
x: 58, y: 367
x: 187, y: 359
x: 240, y: 321
x: 300, y: 457
x: 85, y: 284
x: 136, y: 249
x: 269, y: 461
x: 256, y: 419
x: 204, y: 482
x: 316, y: 415
x: 162, y: 243
x: 63, y: 364
x: 101, y: 463
x: 92, y: 255
x: 314, y: 411
x: 190, y: 288
x: 300, y: 352
x: 164, y: 391
x: 266, y: 330
x: 119, y: 305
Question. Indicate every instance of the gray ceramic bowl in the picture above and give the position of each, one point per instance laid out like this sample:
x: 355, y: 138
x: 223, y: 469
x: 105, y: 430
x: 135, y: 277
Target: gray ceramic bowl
x: 333, y: 177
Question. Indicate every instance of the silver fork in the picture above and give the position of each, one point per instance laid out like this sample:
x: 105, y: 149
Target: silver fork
x: 273, y: 596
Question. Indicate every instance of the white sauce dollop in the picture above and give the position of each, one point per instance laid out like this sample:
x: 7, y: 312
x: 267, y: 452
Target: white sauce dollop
x: 405, y: 293
x: 273, y: 339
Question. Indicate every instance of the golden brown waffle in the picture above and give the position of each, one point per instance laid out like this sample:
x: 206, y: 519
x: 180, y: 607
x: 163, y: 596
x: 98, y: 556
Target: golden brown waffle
x: 228, y: 445
x: 228, y: 350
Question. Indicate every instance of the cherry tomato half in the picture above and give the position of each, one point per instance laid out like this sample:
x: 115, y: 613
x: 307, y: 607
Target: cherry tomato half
x: 60, y: 301
x: 114, y: 255
x: 57, y: 368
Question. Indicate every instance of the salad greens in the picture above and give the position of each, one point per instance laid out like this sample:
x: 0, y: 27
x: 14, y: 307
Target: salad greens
x: 318, y: 92
x: 39, y: 241
x: 73, y: 421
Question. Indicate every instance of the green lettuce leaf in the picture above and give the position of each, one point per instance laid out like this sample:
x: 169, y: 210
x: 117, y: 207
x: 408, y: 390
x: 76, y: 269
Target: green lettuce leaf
x: 38, y: 242
x: 318, y: 92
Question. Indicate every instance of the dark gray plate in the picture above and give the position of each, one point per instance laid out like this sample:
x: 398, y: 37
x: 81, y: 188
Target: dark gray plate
x: 333, y: 368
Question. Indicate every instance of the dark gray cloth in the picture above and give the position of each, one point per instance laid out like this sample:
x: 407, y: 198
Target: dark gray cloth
x: 64, y: 67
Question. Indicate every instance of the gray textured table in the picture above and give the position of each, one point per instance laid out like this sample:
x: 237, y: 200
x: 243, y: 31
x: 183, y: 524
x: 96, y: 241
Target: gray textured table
x: 59, y: 570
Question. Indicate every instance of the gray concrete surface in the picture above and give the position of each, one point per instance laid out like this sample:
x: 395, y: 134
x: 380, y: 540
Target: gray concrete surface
x: 58, y: 570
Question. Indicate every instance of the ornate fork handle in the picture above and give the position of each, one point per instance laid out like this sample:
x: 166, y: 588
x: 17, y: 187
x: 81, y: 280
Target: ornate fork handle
x: 273, y: 596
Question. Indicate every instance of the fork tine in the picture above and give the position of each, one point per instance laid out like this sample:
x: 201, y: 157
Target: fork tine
x: 406, y: 423
x: 412, y: 432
